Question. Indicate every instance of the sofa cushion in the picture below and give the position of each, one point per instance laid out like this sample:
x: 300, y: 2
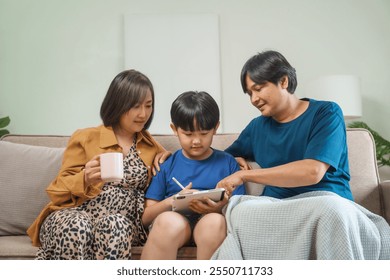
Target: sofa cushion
x: 25, y: 172
x: 16, y: 247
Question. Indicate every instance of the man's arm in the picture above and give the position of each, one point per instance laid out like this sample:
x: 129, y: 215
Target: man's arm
x: 295, y: 174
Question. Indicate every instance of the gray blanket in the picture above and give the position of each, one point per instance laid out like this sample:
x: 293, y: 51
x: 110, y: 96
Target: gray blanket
x: 315, y: 225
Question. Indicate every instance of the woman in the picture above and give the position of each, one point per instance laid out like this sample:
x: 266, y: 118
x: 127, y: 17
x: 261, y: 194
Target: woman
x: 91, y: 219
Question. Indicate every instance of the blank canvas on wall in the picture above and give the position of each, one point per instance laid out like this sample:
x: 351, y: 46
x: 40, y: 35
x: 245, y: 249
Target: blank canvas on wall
x: 178, y: 52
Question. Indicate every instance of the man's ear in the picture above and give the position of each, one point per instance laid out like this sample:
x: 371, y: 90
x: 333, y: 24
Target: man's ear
x: 216, y: 128
x: 284, y: 82
x: 174, y: 129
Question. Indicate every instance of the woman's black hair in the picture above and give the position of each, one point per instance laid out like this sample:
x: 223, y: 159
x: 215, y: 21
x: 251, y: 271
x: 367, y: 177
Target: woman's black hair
x: 194, y: 110
x: 126, y: 90
x: 269, y: 66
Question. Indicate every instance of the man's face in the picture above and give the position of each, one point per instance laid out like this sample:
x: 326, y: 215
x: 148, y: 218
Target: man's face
x: 267, y: 98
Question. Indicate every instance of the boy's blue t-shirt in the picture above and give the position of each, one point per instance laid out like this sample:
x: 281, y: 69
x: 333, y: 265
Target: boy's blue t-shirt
x: 319, y: 133
x: 204, y: 174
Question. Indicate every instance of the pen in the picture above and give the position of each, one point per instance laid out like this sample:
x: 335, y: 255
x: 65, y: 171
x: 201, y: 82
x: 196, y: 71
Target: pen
x: 177, y: 182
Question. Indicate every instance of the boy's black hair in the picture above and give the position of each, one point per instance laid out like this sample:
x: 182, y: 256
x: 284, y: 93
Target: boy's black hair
x: 269, y: 66
x: 194, y: 110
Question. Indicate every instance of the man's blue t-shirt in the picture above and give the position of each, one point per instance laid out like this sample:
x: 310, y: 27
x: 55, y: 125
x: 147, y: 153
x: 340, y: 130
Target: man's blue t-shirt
x: 319, y: 133
x: 204, y: 174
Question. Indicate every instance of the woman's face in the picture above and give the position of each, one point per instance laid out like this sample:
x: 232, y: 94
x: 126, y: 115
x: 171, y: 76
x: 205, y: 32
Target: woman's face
x: 134, y: 120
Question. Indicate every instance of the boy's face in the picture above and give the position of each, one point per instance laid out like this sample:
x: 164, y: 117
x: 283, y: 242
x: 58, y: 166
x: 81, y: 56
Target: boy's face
x: 196, y: 144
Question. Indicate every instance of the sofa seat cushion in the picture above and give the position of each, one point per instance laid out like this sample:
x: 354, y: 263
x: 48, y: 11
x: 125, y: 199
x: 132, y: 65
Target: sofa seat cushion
x: 25, y: 172
x: 16, y: 247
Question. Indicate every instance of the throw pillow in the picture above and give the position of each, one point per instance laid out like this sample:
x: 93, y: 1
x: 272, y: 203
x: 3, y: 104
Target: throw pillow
x: 25, y: 173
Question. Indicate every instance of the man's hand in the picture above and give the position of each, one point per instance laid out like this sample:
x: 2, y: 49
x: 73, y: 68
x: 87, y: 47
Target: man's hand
x: 243, y: 163
x: 230, y: 182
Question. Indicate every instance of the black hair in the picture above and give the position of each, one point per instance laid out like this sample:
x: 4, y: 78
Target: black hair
x: 194, y: 110
x: 126, y: 90
x: 269, y: 66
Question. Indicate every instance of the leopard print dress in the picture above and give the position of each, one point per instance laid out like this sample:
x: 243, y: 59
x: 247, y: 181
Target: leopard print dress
x: 104, y: 227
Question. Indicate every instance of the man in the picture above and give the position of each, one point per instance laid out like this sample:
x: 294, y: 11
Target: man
x: 306, y: 210
x: 299, y: 143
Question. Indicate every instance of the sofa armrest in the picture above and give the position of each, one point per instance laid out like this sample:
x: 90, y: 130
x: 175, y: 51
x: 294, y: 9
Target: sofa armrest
x: 385, y: 185
x: 254, y: 188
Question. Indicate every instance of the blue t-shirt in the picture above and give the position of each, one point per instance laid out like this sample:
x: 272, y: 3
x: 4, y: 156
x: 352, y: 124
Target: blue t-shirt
x: 204, y: 174
x: 319, y: 133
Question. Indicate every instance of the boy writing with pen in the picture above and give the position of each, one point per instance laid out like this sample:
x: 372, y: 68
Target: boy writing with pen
x: 195, y: 120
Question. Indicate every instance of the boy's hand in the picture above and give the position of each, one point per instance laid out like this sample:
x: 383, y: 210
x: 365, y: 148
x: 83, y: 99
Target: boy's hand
x: 188, y: 189
x: 206, y: 205
x: 159, y: 159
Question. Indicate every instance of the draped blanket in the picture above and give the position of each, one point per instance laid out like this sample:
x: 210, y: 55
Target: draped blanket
x: 315, y: 225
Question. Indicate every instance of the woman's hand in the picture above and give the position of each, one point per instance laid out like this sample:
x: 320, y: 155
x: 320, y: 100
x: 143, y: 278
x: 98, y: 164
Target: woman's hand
x: 92, y: 171
x: 206, y: 205
x: 159, y: 159
x: 243, y: 163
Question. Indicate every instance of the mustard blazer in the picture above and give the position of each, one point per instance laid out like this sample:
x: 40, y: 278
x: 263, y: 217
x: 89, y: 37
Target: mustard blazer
x: 68, y: 188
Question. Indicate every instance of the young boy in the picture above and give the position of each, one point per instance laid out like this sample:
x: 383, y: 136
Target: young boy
x: 195, y: 120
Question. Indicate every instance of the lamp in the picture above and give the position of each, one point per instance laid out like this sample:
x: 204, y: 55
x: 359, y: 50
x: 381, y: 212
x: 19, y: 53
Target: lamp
x: 342, y: 89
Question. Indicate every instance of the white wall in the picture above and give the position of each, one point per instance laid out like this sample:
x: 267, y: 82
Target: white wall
x: 57, y: 57
x: 185, y: 45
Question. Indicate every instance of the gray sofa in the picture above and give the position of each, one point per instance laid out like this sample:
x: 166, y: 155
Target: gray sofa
x: 29, y: 162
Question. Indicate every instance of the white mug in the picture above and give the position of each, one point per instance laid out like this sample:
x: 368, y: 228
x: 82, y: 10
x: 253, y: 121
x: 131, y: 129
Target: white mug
x: 111, y: 167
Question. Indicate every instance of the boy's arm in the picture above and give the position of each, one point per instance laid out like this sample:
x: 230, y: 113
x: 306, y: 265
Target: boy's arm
x: 155, y: 202
x: 154, y: 207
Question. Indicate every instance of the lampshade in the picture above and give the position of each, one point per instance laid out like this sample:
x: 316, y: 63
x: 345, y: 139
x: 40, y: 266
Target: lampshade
x: 342, y: 89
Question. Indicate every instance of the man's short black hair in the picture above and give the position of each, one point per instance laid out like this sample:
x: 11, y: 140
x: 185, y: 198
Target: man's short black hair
x: 269, y: 66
